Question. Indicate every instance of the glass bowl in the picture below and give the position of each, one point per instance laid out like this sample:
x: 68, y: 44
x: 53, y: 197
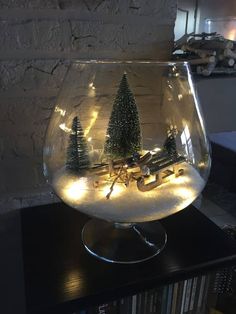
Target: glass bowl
x: 126, y: 144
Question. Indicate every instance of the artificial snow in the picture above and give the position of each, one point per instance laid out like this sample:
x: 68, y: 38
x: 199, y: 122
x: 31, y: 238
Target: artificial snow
x: 128, y: 204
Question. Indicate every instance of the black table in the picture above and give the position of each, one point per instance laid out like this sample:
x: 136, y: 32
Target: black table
x: 46, y: 269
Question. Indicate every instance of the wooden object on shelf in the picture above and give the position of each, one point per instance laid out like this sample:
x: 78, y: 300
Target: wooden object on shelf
x: 212, y: 50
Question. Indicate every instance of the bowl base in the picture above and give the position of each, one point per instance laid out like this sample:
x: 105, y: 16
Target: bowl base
x: 123, y: 243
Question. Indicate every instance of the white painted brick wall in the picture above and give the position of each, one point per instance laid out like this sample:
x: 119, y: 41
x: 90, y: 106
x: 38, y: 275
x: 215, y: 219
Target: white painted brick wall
x: 37, y: 40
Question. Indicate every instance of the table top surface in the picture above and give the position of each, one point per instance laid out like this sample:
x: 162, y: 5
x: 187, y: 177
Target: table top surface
x: 46, y: 269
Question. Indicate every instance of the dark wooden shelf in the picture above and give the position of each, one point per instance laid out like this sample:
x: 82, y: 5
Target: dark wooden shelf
x: 61, y: 277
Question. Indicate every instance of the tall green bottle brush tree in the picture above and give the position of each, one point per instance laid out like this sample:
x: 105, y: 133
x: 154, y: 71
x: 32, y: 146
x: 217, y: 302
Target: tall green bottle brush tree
x: 123, y: 137
x: 77, y: 150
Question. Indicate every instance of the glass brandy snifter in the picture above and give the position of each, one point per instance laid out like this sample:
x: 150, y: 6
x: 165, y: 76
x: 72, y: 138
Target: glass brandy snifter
x: 126, y: 144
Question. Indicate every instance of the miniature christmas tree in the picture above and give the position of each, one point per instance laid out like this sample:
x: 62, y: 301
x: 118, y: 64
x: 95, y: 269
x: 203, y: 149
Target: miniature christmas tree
x: 123, y: 133
x: 77, y: 151
x: 170, y: 143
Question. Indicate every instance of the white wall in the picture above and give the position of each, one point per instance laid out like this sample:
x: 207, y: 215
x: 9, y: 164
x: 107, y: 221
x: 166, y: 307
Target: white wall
x: 37, y: 38
x: 218, y: 100
x: 205, y: 9
x: 180, y: 23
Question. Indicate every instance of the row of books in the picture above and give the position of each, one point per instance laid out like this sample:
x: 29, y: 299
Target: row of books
x: 184, y: 297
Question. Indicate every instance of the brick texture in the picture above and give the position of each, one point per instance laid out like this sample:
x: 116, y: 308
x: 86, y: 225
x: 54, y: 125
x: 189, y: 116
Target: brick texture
x: 38, y: 38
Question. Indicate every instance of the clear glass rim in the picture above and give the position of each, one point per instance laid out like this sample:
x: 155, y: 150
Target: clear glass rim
x: 154, y: 62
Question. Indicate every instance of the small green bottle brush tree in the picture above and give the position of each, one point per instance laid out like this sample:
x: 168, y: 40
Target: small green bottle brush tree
x: 77, y: 151
x: 170, y: 143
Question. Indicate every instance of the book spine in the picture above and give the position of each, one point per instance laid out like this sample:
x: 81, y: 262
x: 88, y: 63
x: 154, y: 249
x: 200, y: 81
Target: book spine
x: 100, y: 309
x: 139, y: 303
x: 183, y: 297
x: 134, y: 304
x: 122, y: 306
x: 114, y: 307
x: 148, y: 308
x: 151, y: 301
x: 200, y: 297
x: 179, y: 297
x: 205, y: 294
x: 193, y: 293
x: 144, y: 303
x: 125, y: 305
x: 164, y: 300
x: 174, y: 300
x: 188, y: 293
x: 158, y: 295
x: 169, y: 299
x: 155, y: 301
x: 105, y: 308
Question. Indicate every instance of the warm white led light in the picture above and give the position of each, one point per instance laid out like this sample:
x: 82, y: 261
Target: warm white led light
x: 91, y: 123
x: 61, y: 111
x: 118, y: 189
x: 75, y: 190
x: 184, y: 192
x: 64, y: 128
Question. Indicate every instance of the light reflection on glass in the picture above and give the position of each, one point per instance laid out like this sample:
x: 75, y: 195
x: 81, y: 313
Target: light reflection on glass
x: 187, y: 144
x: 91, y: 123
x: 180, y: 96
x: 63, y: 127
x: 61, y: 111
x: 185, y: 192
